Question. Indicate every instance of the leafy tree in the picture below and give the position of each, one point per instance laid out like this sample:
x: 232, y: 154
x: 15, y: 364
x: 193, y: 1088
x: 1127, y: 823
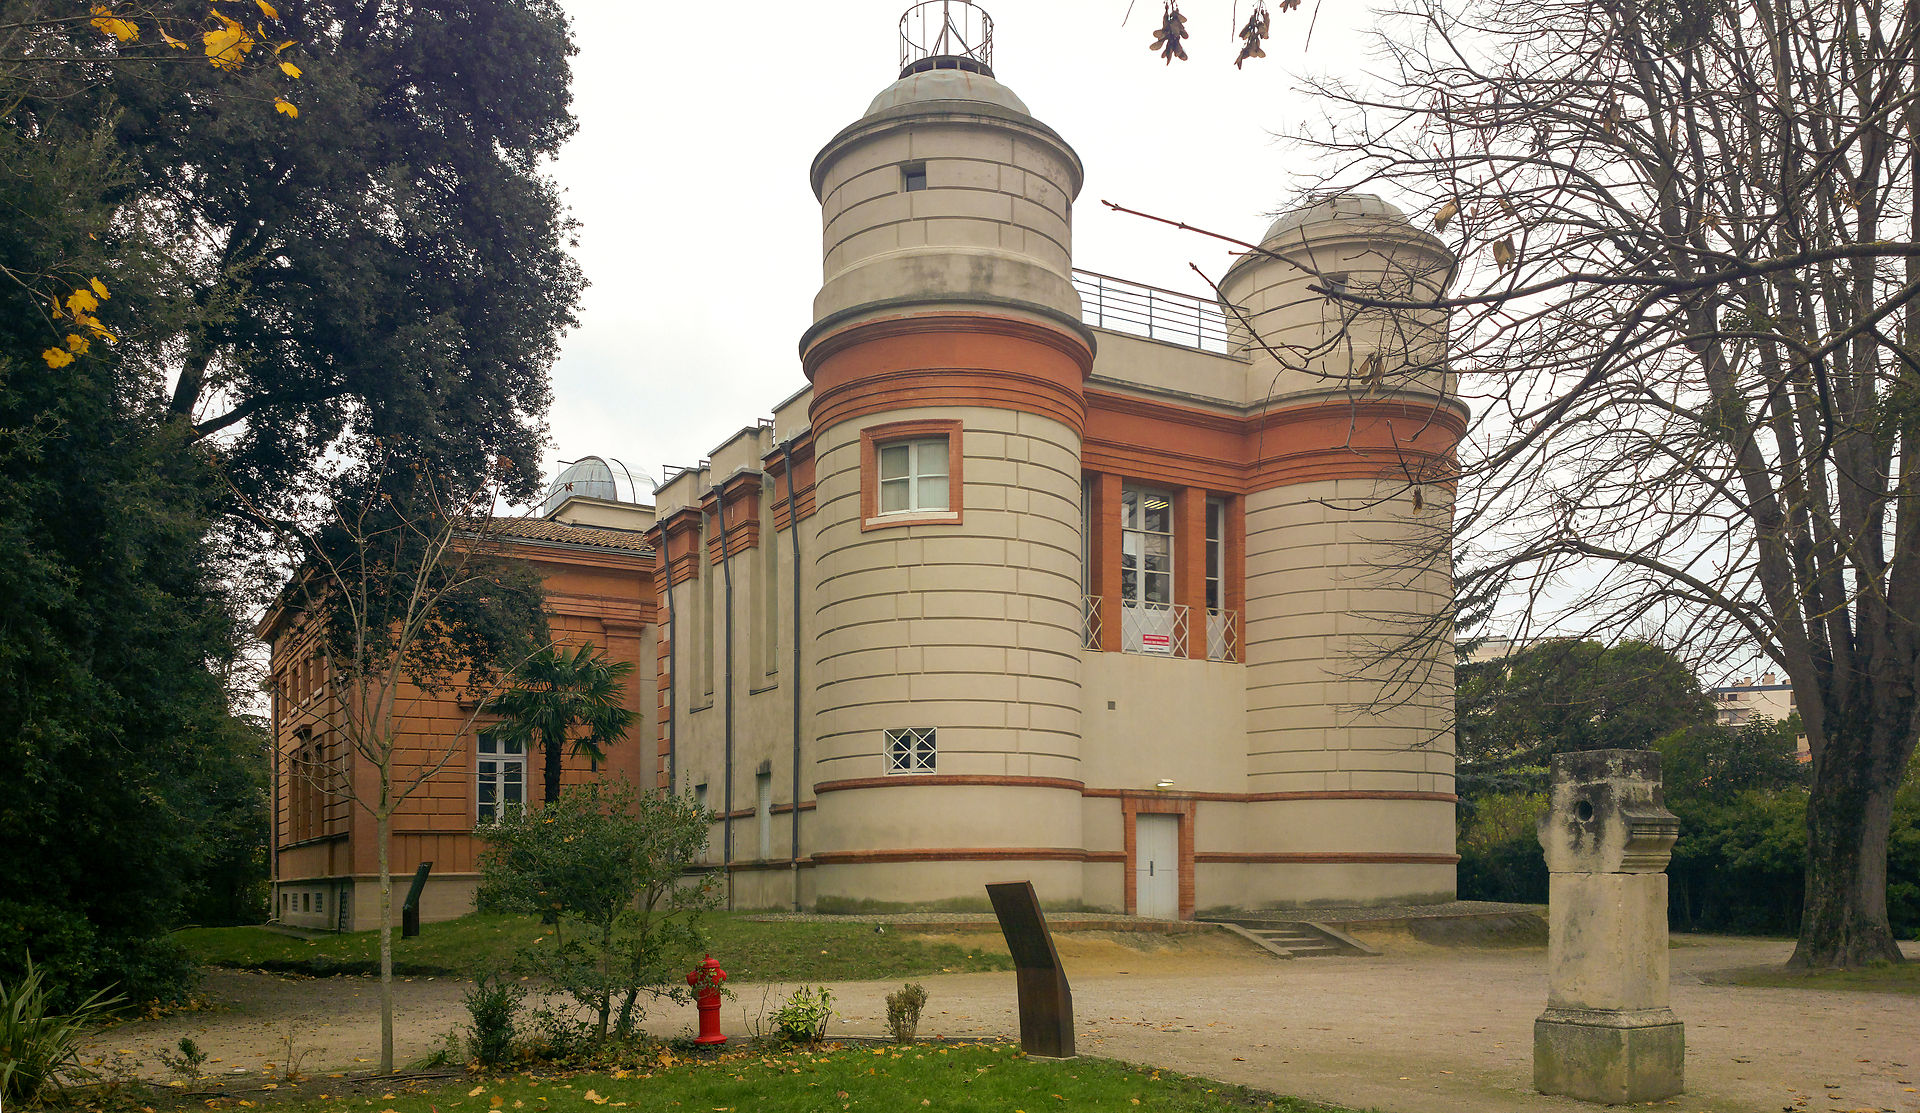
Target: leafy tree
x: 394, y: 265
x: 1514, y: 713
x: 1715, y: 762
x: 558, y: 697
x: 115, y: 713
x: 381, y: 259
x: 1499, y: 847
x: 607, y: 862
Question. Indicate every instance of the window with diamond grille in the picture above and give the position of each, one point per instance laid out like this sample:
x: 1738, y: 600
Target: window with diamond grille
x: 910, y: 750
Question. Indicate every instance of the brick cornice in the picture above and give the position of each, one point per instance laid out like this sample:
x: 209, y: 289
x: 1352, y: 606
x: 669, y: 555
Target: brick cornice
x: 946, y: 780
x: 1406, y: 439
x: 946, y: 360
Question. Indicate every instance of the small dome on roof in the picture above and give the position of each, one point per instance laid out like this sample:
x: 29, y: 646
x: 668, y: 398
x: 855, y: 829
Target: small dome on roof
x: 946, y: 84
x: 591, y: 477
x: 1338, y: 207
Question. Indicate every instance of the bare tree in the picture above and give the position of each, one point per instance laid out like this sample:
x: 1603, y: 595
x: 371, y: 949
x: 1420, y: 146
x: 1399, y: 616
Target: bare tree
x: 1684, y: 315
x: 415, y: 603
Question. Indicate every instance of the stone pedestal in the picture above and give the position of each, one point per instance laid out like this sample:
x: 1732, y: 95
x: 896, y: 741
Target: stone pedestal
x: 1608, y: 1034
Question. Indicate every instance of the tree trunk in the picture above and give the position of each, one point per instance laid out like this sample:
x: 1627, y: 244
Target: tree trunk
x: 383, y: 831
x: 551, y: 789
x: 1849, y: 814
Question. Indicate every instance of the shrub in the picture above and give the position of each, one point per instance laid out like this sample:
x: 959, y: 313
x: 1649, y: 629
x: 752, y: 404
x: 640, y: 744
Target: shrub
x: 803, y: 1019
x: 187, y: 1062
x: 903, y: 1011
x: 606, y: 864
x: 492, y: 1003
x: 38, y: 1045
x: 1499, y: 850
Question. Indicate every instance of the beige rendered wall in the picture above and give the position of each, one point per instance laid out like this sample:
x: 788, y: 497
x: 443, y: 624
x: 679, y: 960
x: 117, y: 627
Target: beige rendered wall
x: 993, y: 221
x: 1324, y: 591
x: 1136, y: 364
x: 1328, y: 587
x: 1324, y: 344
x: 762, y: 677
x: 973, y: 629
x: 1148, y: 719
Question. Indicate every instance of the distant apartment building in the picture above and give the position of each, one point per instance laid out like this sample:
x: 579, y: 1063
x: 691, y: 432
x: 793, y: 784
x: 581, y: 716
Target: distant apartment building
x: 1749, y: 699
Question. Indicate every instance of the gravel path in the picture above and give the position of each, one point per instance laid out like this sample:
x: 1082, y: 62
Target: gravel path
x: 1417, y: 1029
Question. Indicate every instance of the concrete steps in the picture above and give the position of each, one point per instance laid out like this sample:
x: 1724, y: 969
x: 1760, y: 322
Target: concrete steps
x: 1301, y: 938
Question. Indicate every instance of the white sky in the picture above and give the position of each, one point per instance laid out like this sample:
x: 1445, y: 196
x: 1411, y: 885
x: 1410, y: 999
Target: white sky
x: 700, y: 235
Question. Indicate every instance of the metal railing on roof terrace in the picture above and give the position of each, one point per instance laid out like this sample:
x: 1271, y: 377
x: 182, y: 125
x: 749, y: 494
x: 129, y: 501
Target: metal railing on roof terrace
x: 1133, y: 307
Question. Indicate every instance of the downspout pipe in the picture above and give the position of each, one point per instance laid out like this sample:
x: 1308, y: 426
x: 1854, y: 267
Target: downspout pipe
x: 793, y: 534
x: 726, y: 673
x: 673, y: 674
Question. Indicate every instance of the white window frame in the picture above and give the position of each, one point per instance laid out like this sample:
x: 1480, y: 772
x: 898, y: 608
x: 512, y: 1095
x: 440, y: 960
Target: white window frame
x: 927, y: 459
x: 495, y: 753
x: 912, y: 750
x: 1135, y: 541
x: 1216, y: 554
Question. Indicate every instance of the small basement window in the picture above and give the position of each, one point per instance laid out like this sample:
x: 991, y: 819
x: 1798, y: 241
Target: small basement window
x: 910, y: 750
x: 913, y: 177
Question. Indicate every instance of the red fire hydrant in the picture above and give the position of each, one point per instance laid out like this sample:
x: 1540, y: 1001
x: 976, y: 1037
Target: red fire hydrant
x: 705, y: 980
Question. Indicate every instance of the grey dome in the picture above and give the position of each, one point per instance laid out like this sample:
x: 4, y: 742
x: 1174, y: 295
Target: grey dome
x: 946, y: 84
x: 1338, y: 207
x: 590, y: 477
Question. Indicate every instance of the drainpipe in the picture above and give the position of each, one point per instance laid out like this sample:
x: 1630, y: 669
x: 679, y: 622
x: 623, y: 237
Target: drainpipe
x: 673, y: 670
x: 726, y: 571
x: 273, y: 816
x: 793, y: 533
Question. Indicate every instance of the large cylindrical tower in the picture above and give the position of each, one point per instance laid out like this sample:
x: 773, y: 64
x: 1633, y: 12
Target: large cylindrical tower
x: 1349, y: 655
x: 947, y: 360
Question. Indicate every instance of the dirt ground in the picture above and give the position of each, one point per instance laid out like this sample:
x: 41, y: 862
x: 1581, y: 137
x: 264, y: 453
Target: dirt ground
x: 1415, y: 1029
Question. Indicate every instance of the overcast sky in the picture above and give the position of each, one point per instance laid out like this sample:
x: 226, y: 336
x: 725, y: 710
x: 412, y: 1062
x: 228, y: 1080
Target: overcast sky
x: 700, y: 235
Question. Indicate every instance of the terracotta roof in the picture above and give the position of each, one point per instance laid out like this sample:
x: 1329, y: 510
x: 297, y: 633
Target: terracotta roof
x: 559, y: 533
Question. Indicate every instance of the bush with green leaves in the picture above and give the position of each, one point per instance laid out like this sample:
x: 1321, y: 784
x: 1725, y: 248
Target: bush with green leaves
x: 803, y: 1019
x: 186, y: 1062
x: 607, y: 864
x: 40, y: 1047
x: 903, y: 1011
x: 493, y: 1004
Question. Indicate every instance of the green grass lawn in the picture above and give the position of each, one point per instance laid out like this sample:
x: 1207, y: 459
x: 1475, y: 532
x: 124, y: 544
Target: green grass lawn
x: 1904, y: 978
x: 750, y: 951
x: 938, y: 1079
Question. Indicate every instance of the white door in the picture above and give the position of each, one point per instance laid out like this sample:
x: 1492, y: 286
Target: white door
x: 1156, y: 866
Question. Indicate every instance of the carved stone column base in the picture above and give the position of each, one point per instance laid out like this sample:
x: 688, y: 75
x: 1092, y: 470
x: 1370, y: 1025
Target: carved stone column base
x: 1609, y: 1056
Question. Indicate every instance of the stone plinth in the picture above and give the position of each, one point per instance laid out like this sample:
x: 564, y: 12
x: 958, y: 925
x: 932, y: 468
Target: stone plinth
x: 1607, y: 1034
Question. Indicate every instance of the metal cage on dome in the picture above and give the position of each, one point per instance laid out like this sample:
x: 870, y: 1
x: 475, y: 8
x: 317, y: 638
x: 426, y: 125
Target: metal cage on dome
x: 946, y: 35
x: 594, y: 477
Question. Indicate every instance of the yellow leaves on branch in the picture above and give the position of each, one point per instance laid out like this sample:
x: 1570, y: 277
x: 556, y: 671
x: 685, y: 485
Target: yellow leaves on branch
x: 228, y: 44
x: 79, y: 307
x: 109, y: 24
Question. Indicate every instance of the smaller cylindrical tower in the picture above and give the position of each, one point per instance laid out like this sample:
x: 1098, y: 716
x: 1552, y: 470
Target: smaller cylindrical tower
x: 1349, y: 656
x: 947, y: 360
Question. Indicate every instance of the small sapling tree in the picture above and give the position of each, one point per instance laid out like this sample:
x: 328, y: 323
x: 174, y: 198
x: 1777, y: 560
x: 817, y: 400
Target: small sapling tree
x: 415, y: 602
x: 606, y: 862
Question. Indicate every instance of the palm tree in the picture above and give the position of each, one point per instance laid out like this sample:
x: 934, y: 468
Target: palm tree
x: 559, y: 697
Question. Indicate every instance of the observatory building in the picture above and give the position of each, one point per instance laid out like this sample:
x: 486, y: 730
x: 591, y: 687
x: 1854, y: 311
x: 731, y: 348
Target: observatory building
x: 1048, y: 575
